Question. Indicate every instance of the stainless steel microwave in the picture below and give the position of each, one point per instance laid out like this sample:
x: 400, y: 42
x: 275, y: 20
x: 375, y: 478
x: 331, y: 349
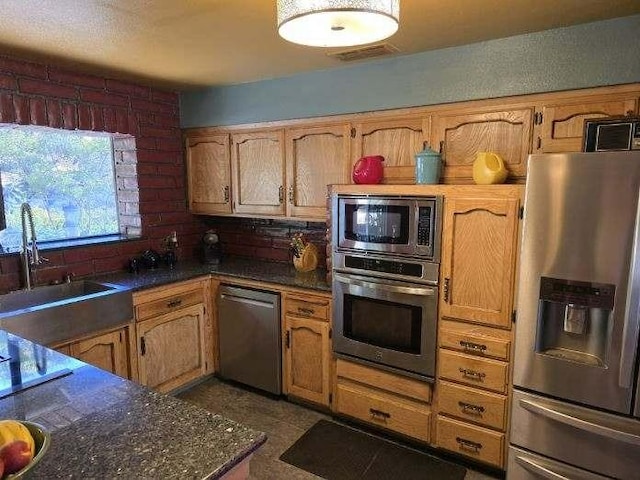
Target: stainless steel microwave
x: 395, y: 225
x: 611, y: 134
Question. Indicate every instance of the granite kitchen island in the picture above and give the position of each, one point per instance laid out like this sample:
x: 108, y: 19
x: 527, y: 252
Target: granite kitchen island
x: 103, y: 426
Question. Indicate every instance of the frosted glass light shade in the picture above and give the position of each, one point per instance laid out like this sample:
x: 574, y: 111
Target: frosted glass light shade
x: 337, y: 23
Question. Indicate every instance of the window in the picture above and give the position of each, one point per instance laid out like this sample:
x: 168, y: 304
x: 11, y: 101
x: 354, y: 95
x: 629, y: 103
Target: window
x: 67, y: 177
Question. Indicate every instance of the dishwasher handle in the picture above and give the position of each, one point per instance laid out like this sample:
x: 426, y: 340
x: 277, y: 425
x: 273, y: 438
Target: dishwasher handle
x: 247, y: 301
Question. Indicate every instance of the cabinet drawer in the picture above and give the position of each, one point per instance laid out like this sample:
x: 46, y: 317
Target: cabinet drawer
x: 396, y: 384
x: 317, y: 308
x: 169, y: 304
x: 471, y: 441
x: 474, y: 405
x: 475, y: 371
x: 473, y: 340
x: 384, y: 411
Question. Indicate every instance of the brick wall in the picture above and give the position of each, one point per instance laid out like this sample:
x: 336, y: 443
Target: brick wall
x: 38, y: 94
x: 266, y: 239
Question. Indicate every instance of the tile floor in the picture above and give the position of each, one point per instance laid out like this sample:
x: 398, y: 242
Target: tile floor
x: 282, y: 421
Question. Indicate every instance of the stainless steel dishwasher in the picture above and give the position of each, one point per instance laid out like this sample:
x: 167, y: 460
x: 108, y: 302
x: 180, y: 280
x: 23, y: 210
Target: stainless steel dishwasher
x: 249, y: 335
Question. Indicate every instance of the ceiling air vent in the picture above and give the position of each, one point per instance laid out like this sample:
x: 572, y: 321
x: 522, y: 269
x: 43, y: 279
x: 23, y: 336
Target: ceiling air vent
x: 369, y: 51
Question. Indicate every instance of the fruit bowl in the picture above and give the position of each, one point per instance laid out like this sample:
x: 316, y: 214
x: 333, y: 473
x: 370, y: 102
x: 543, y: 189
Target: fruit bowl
x: 42, y: 441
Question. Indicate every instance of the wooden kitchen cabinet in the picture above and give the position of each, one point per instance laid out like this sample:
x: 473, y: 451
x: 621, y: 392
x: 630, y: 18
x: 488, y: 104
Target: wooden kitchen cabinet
x: 258, y: 172
x: 174, y: 334
x: 460, y: 135
x: 109, y: 351
x: 208, y: 174
x: 307, y: 348
x: 478, y: 258
x: 559, y: 125
x: 397, y: 139
x: 315, y: 157
x: 475, y: 334
x: 384, y: 400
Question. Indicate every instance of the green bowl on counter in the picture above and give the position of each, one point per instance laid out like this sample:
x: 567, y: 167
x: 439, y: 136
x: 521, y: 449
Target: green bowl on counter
x: 42, y: 441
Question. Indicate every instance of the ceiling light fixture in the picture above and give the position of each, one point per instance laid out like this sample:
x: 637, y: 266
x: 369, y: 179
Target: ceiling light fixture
x: 337, y: 23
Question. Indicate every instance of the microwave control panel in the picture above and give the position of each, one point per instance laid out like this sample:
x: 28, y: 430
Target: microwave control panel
x: 424, y: 225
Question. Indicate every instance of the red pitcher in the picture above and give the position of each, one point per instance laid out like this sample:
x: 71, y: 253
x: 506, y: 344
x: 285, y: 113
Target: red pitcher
x: 368, y: 170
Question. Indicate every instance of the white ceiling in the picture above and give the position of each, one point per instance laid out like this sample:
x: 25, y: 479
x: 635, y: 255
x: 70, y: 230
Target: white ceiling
x: 190, y: 43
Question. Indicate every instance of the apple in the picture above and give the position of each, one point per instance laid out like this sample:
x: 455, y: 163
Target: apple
x: 15, y: 455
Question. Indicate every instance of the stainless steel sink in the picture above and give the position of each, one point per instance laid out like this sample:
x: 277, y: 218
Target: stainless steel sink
x: 56, y: 313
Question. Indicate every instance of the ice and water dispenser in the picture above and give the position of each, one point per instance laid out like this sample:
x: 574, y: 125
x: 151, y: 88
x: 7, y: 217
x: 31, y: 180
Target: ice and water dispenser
x: 574, y: 320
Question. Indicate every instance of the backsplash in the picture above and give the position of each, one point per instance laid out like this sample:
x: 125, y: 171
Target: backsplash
x: 266, y: 239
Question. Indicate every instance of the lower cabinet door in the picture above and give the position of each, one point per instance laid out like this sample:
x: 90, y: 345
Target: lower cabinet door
x: 108, y: 352
x: 307, y: 359
x: 171, y: 349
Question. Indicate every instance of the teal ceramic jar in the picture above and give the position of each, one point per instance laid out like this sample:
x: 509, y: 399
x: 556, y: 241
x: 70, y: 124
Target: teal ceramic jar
x: 428, y: 166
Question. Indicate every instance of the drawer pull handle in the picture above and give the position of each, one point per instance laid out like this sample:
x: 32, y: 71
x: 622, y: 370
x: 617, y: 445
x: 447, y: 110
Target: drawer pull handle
x: 379, y: 414
x: 174, y: 303
x: 306, y: 311
x: 468, y: 445
x: 473, y: 347
x: 472, y: 374
x: 471, y: 409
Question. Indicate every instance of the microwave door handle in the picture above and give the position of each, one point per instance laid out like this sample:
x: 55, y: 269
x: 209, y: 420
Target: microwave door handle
x: 384, y: 286
x: 631, y: 313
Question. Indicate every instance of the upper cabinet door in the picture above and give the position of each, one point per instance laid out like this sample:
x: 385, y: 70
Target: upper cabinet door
x: 397, y: 140
x: 208, y: 174
x: 258, y: 168
x: 460, y: 136
x: 478, y: 259
x: 316, y: 157
x: 560, y: 126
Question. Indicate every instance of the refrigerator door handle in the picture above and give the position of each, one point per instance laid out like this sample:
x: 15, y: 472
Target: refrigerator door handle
x: 581, y: 424
x: 631, y: 314
x: 539, y: 470
x: 545, y: 471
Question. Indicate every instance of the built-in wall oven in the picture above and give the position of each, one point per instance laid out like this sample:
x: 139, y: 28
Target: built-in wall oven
x: 386, y: 253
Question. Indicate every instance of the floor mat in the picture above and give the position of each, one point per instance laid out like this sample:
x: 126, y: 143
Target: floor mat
x: 336, y: 452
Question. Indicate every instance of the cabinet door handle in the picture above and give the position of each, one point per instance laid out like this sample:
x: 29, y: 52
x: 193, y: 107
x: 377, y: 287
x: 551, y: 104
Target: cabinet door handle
x: 143, y: 346
x: 539, y: 143
x: 379, y: 414
x: 472, y: 374
x: 306, y: 311
x: 445, y: 290
x: 281, y: 194
x: 473, y: 347
x: 470, y: 408
x: 442, y: 153
x: 287, y: 339
x: 226, y: 194
x: 174, y: 303
x: 468, y: 445
x: 291, y: 195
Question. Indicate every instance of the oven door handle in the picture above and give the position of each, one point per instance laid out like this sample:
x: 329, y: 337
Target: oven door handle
x: 386, y: 286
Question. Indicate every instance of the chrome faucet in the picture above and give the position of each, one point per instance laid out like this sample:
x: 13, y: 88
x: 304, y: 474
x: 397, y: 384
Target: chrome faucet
x: 30, y: 257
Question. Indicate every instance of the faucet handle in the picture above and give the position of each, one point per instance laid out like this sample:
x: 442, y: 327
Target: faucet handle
x: 68, y: 277
x: 41, y: 260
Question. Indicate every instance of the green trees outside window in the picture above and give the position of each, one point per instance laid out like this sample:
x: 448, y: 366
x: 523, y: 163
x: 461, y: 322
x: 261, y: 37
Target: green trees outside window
x: 66, y: 176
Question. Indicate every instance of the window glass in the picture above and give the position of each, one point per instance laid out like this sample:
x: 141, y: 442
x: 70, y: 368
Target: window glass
x: 68, y: 179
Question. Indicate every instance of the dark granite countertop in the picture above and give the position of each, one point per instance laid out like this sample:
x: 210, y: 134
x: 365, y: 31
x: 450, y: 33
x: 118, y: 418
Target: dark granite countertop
x: 103, y: 426
x: 250, y: 269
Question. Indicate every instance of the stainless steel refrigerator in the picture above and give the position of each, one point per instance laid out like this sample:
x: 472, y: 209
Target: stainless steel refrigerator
x: 576, y: 401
